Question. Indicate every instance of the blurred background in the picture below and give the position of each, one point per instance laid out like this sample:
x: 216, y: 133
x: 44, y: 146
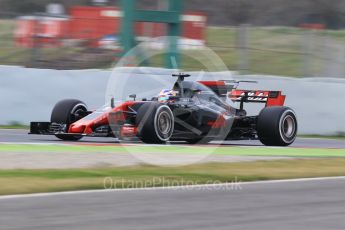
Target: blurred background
x: 287, y: 38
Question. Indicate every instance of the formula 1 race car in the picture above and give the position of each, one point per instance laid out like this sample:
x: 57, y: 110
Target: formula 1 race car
x: 192, y: 111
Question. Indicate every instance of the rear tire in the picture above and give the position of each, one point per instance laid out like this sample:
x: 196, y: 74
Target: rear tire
x: 277, y: 126
x: 67, y: 112
x: 155, y: 123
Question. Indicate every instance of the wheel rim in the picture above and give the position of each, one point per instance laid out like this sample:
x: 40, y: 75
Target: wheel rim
x: 164, y: 123
x: 288, y: 127
x: 75, y: 114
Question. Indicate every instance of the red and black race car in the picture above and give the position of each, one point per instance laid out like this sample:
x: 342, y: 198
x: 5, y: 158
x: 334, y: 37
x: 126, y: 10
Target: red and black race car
x: 195, y: 112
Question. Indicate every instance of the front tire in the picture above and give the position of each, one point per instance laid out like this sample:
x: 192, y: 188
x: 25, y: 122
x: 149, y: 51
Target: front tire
x: 155, y: 123
x: 67, y: 112
x: 277, y: 126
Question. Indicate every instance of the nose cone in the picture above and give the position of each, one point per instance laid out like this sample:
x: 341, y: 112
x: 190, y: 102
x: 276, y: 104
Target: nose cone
x: 77, y: 128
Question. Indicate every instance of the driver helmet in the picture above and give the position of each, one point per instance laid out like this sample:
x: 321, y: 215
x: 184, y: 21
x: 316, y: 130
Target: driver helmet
x: 165, y: 95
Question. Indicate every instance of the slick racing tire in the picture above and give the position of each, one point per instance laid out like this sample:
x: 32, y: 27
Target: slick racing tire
x: 155, y: 123
x: 67, y: 112
x: 277, y: 126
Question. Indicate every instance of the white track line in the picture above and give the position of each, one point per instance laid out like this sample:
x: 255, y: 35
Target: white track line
x: 108, y: 144
x: 186, y: 187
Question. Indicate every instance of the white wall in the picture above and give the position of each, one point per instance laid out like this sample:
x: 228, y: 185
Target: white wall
x: 30, y: 94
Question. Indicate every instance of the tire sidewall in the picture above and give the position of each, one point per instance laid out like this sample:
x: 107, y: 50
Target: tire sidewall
x: 285, y: 139
x: 160, y: 135
x: 146, y: 122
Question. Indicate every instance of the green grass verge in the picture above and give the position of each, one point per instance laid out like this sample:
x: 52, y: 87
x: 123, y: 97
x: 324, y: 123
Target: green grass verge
x: 176, y: 149
x: 35, y: 181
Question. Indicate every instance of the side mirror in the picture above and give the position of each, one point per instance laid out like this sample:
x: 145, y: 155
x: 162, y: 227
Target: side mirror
x: 133, y: 96
x: 195, y: 91
x: 112, y: 103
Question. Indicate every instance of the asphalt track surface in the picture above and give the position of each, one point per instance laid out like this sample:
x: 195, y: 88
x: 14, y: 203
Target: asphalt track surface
x: 301, y: 205
x: 21, y: 136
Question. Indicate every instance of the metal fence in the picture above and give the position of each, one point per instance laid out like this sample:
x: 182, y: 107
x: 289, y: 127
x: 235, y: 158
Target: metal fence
x: 250, y: 50
x: 291, y: 51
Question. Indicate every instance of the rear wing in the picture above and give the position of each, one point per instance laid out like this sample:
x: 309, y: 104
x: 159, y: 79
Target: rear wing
x: 270, y: 98
x: 228, y: 89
